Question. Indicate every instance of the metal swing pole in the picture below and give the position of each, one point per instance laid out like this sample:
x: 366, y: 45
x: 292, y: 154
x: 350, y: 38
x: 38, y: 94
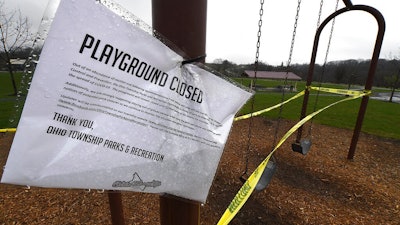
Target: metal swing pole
x: 372, y: 68
x: 371, y: 72
x: 183, y: 22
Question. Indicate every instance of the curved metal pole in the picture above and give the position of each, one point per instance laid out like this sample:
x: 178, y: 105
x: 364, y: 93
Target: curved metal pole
x: 370, y: 79
x: 372, y: 68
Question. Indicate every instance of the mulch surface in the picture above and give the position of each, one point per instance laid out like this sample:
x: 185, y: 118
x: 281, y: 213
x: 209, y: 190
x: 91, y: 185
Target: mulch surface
x: 322, y: 187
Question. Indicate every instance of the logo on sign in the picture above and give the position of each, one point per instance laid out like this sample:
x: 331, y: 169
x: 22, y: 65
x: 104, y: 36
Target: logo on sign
x: 137, y: 182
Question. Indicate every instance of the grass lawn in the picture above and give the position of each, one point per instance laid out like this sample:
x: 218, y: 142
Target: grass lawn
x: 382, y: 118
x: 10, y: 105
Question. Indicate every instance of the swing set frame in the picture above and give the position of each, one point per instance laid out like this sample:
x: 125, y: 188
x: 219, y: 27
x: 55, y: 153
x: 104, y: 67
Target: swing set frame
x: 371, y: 72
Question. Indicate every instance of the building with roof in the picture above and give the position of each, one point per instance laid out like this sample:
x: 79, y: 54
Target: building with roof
x: 291, y: 77
x: 18, y: 64
x: 272, y: 75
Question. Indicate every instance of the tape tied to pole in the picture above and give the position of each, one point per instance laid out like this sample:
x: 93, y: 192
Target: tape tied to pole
x: 340, y: 91
x: 309, y: 88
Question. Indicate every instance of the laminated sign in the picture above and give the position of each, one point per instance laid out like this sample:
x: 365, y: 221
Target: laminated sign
x: 111, y: 107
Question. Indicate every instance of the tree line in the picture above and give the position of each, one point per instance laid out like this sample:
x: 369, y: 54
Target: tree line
x: 351, y: 72
x: 15, y: 37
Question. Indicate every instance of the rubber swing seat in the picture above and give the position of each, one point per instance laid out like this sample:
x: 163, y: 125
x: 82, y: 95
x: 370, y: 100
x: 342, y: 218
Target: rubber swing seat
x: 302, y: 147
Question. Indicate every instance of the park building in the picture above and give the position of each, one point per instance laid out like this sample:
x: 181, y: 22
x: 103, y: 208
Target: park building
x: 291, y: 77
x: 17, y: 64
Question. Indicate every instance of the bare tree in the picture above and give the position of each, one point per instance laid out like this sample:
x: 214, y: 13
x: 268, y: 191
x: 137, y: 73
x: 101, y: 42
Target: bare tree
x: 394, y: 83
x: 15, y: 35
x: 393, y: 80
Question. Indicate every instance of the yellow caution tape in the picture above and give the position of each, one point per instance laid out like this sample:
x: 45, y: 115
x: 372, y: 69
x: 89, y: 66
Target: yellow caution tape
x: 340, y: 91
x: 248, y: 187
x: 329, y: 90
x: 4, y: 130
x: 268, y: 109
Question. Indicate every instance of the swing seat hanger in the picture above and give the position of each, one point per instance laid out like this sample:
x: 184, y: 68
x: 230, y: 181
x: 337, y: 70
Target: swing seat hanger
x: 244, y: 177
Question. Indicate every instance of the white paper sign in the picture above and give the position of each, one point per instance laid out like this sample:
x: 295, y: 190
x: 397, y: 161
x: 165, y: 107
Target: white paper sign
x: 110, y: 107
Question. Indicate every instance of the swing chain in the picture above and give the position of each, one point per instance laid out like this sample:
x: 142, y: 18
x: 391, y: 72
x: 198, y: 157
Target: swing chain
x: 323, y: 67
x: 260, y: 21
x: 293, y: 35
x: 330, y: 34
x: 261, y: 12
x: 321, y: 4
x: 287, y: 70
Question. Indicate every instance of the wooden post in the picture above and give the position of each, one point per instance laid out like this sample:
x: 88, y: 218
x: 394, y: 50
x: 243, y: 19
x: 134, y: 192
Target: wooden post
x: 116, y: 208
x: 182, y: 22
x: 178, y: 211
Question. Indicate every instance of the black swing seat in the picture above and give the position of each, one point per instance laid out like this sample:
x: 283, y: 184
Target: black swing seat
x: 302, y: 147
x: 266, y: 176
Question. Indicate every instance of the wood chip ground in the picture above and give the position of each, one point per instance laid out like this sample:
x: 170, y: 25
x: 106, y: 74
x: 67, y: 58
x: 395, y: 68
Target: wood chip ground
x: 322, y: 187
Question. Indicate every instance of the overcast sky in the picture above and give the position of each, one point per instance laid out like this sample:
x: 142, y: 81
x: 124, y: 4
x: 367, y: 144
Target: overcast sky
x: 232, y: 27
